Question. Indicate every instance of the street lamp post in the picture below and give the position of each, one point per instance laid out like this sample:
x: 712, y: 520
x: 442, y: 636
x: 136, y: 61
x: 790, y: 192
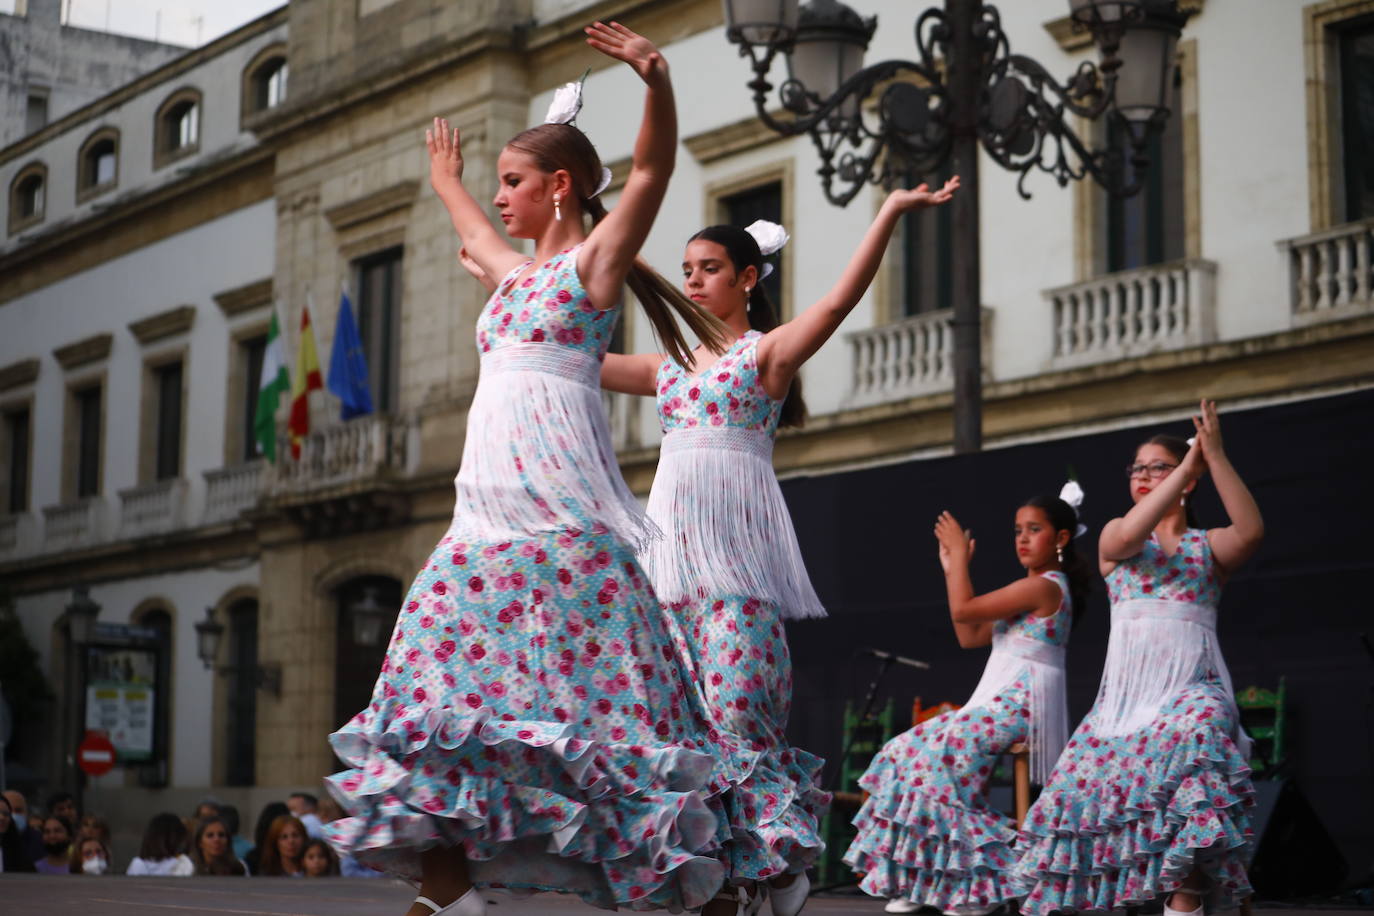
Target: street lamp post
x: 81, y: 613
x: 966, y: 88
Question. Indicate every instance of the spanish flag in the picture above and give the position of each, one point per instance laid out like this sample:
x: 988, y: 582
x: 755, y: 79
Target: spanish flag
x: 305, y: 380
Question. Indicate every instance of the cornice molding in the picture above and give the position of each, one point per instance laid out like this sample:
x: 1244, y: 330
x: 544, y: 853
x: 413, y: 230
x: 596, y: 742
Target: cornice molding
x: 23, y: 372
x: 377, y: 204
x: 84, y: 351
x: 164, y: 324
x: 244, y: 298
x: 730, y: 140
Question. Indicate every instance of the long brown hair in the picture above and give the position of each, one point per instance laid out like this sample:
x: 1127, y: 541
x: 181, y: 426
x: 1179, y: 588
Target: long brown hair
x: 269, y: 858
x: 743, y: 250
x: 226, y: 864
x: 562, y: 146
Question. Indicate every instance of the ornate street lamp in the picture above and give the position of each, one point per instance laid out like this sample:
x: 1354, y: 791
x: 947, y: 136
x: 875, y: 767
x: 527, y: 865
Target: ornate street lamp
x: 368, y: 618
x: 966, y: 87
x: 81, y: 615
x: 209, y: 633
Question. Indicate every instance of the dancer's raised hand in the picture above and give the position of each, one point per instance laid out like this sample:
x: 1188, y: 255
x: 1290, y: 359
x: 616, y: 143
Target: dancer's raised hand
x: 921, y: 196
x: 956, y: 547
x: 614, y: 40
x: 1208, y: 432
x: 445, y: 154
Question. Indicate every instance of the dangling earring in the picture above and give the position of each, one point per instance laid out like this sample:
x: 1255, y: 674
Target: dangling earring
x: 1183, y: 501
x: 557, y: 213
x: 1060, y: 552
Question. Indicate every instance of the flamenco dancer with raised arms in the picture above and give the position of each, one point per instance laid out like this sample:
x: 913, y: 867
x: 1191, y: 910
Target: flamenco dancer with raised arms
x: 1150, y: 797
x: 532, y: 726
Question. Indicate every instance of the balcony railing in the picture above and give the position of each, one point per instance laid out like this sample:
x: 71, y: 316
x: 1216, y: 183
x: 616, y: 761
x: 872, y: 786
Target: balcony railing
x: 17, y: 535
x: 1134, y: 313
x: 229, y: 491
x: 77, y: 524
x: 154, y: 508
x: 907, y: 358
x: 355, y: 450
x: 1332, y: 273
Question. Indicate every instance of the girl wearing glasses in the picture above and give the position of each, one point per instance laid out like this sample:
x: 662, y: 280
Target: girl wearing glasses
x: 1150, y: 795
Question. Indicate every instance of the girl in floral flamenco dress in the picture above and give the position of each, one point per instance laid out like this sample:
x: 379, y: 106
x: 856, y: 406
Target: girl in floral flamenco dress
x: 729, y: 568
x: 1150, y: 795
x: 532, y: 726
x: 926, y: 835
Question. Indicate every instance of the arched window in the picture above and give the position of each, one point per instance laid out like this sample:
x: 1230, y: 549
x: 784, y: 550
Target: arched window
x: 177, y: 132
x: 265, y: 79
x: 98, y: 165
x: 356, y: 664
x: 243, y: 692
x: 28, y: 197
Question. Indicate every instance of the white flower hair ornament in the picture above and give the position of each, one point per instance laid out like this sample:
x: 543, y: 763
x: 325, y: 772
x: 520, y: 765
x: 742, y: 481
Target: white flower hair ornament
x: 567, y: 102
x: 771, y: 237
x: 604, y: 183
x: 1073, y: 494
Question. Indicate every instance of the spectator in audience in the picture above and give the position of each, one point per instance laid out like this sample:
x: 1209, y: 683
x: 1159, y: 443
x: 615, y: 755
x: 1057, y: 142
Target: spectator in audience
x: 93, y: 825
x: 29, y: 834
x: 13, y: 854
x: 320, y: 860
x: 270, y: 812
x: 240, y: 843
x: 90, y: 856
x: 57, y: 846
x: 63, y: 805
x: 209, y: 807
x: 212, y: 852
x: 305, y: 807
x: 281, y: 851
x: 163, y: 852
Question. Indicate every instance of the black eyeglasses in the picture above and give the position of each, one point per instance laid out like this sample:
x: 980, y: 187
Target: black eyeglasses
x: 1154, y: 471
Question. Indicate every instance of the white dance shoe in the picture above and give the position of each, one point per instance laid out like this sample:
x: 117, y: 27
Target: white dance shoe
x: 1170, y: 911
x: 470, y: 904
x: 898, y: 905
x: 789, y: 900
x: 973, y: 910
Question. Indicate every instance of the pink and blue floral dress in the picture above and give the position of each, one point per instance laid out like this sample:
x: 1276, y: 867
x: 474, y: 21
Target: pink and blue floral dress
x: 532, y: 708
x: 1154, y: 781
x: 730, y: 570
x: 926, y: 833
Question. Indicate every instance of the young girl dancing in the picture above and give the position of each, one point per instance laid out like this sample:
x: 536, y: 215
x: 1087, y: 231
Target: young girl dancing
x: 926, y: 834
x: 1150, y: 794
x: 532, y: 725
x: 729, y: 566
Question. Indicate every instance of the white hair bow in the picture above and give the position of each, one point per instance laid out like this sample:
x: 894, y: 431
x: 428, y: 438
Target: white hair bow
x: 770, y: 237
x: 1073, y: 494
x: 567, y: 102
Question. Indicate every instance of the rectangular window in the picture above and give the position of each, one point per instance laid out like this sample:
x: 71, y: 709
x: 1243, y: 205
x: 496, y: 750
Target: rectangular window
x: 17, y: 445
x: 167, y: 378
x: 88, y: 408
x: 251, y: 352
x: 927, y: 253
x: 1357, y: 118
x: 379, y: 324
x: 761, y: 202
x: 36, y: 115
x: 1148, y: 227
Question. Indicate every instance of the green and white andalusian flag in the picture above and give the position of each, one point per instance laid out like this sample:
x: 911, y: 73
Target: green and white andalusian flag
x: 274, y: 382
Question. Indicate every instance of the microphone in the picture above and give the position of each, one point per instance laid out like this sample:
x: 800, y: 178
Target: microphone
x: 899, y: 659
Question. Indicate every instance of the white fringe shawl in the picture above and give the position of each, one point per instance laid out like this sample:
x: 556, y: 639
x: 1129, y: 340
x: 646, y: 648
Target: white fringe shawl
x: 726, y: 527
x: 1049, y: 710
x: 538, y: 453
x: 1158, y: 647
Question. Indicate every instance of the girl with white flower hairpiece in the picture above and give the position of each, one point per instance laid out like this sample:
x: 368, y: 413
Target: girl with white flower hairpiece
x: 926, y: 835
x: 532, y: 726
x: 1151, y: 797
x: 729, y: 567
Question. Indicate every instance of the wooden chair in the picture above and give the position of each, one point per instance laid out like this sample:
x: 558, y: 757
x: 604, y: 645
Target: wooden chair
x: 1020, y: 779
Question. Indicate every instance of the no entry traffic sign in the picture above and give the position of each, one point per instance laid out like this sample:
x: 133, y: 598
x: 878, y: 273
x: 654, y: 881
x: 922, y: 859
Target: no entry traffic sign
x: 95, y: 755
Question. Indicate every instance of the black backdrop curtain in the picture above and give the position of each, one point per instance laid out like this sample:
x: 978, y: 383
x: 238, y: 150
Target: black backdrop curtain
x: 1295, y: 610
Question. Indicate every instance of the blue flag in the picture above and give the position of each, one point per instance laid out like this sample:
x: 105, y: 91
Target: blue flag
x: 348, y: 365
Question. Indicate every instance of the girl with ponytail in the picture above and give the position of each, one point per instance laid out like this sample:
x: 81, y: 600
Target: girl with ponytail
x: 926, y: 835
x: 532, y: 726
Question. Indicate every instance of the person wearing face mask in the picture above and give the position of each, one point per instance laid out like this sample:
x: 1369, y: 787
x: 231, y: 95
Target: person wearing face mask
x: 57, y: 846
x: 13, y: 854
x: 91, y: 857
x: 29, y: 834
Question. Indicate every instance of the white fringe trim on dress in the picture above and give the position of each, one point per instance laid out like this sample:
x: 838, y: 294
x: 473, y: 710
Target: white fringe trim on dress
x: 538, y: 453
x: 1158, y: 647
x: 726, y: 527
x: 1012, y: 656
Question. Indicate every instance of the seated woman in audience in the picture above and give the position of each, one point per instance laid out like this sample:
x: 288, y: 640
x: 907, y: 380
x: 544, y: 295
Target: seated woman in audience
x: 90, y: 856
x: 57, y: 846
x: 320, y: 860
x: 163, y: 851
x: 283, y: 848
x: 211, y: 851
x: 270, y: 812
